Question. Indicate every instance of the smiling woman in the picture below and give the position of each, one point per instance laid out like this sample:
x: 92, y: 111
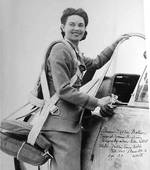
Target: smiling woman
x: 74, y: 28
x: 73, y: 24
x: 64, y: 60
x: 28, y: 28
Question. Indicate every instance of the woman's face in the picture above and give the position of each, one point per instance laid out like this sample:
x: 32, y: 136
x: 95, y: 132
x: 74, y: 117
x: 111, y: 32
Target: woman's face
x: 74, y: 28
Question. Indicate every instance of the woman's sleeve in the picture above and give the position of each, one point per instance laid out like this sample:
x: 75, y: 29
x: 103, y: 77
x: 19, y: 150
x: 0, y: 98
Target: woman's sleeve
x: 58, y: 60
x: 101, y: 59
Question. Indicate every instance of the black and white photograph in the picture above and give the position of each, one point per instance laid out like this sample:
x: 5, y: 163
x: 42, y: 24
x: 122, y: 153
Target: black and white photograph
x: 74, y: 85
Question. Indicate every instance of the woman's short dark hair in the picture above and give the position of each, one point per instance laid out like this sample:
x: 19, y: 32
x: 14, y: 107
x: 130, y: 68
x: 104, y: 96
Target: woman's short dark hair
x: 71, y: 11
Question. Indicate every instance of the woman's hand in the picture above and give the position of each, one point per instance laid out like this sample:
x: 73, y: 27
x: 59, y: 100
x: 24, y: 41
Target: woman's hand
x: 107, y: 111
x: 103, y: 101
x: 107, y: 100
x: 122, y: 37
x: 105, y: 106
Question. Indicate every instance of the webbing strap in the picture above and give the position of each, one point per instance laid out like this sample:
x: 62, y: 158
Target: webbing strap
x: 44, y: 86
x: 48, y: 105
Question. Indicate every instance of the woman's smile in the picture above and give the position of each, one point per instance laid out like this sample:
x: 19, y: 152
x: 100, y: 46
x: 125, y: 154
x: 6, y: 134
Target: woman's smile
x: 74, y: 28
x: 77, y: 33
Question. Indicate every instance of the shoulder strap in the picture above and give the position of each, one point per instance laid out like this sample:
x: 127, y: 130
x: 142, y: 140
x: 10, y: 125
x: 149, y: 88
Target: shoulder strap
x: 72, y: 51
x: 42, y: 77
x: 44, y: 83
x: 49, y: 103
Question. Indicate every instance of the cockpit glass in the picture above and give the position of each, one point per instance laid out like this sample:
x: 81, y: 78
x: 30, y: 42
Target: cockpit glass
x: 129, y: 57
x: 142, y: 89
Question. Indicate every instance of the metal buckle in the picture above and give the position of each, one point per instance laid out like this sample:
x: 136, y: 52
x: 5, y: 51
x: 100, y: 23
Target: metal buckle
x: 54, y: 110
x: 46, y: 153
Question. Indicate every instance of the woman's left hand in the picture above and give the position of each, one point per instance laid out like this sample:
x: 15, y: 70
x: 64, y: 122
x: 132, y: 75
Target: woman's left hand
x: 122, y: 37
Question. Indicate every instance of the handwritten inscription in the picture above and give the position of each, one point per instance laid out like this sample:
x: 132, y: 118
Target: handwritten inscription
x: 122, y: 142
